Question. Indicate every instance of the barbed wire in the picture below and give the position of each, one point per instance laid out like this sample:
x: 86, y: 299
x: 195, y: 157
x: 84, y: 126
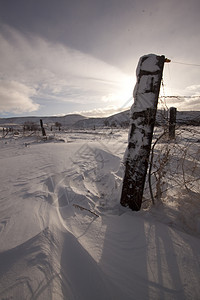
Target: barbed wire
x: 187, y: 64
x: 179, y: 96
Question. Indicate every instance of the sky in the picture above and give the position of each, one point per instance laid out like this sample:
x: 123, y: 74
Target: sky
x: 80, y: 56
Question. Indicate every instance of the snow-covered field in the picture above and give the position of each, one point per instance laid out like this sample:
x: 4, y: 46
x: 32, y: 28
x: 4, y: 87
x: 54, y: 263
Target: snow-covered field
x: 52, y: 248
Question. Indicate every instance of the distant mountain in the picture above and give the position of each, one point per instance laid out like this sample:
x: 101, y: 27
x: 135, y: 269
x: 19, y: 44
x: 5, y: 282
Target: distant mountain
x: 90, y: 123
x: 67, y: 120
x: 188, y: 117
x: 117, y: 120
x: 122, y: 119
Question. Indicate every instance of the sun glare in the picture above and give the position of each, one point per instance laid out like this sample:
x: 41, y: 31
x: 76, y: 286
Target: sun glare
x: 124, y: 93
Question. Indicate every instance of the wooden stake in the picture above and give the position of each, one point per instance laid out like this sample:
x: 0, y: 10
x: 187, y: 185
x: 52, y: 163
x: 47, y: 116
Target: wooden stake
x: 172, y: 122
x: 42, y: 127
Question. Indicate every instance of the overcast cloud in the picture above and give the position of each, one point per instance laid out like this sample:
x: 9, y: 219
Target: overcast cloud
x: 56, y: 73
x: 58, y: 57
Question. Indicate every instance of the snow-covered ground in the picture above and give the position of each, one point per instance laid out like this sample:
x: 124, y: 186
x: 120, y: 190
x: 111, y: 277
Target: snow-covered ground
x: 52, y: 248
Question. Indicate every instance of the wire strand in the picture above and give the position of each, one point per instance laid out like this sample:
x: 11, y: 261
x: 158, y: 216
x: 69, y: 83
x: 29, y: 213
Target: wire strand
x: 177, y: 96
x: 187, y: 64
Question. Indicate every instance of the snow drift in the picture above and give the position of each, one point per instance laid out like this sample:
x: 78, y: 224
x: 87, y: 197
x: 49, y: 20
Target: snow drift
x: 52, y: 249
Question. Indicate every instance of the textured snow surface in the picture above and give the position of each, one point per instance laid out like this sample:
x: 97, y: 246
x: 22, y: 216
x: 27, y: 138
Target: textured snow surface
x: 52, y: 249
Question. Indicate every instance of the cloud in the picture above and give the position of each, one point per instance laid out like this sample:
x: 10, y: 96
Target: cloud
x: 57, y: 72
x: 15, y: 97
x: 191, y: 99
x: 181, y: 102
x: 101, y: 112
x: 194, y: 89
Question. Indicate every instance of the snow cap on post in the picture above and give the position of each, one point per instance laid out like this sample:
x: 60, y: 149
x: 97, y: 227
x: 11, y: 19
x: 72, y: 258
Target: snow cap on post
x: 148, y: 82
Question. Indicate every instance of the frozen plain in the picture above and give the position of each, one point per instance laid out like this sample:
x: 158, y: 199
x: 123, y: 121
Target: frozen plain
x: 50, y: 248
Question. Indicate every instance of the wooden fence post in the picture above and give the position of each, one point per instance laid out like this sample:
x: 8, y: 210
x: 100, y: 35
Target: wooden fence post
x: 143, y: 114
x: 172, y: 122
x: 42, y: 127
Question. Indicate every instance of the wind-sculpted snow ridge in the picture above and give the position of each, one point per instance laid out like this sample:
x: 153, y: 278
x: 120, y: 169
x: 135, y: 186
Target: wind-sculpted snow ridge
x: 64, y: 234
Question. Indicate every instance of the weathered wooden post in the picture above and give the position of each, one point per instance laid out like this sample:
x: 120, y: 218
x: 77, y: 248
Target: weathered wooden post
x: 143, y: 115
x: 172, y: 122
x: 42, y: 127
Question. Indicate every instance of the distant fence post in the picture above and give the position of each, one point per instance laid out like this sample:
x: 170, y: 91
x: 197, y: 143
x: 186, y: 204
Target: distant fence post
x: 143, y: 114
x: 42, y: 127
x: 172, y: 122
